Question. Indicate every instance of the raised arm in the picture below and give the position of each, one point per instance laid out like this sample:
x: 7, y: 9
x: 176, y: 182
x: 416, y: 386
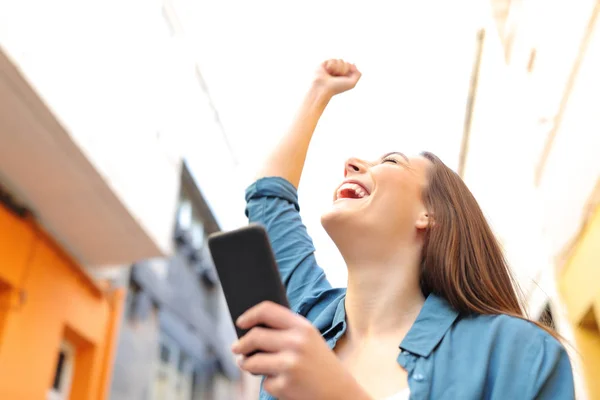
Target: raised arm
x: 287, y: 160
x: 273, y: 199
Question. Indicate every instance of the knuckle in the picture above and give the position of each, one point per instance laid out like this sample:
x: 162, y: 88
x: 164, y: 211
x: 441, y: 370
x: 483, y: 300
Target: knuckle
x: 305, y: 327
x: 297, y: 341
x: 292, y: 362
x: 303, y: 338
x: 255, y: 334
x: 249, y: 342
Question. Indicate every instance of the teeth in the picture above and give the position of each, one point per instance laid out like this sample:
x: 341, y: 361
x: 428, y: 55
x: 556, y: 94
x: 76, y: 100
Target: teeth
x: 358, y: 190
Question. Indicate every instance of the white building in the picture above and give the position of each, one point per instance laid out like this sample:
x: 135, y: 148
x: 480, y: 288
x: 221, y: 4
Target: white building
x: 532, y: 157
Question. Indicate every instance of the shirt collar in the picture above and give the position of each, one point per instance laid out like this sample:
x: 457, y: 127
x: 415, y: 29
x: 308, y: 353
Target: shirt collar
x: 432, y: 323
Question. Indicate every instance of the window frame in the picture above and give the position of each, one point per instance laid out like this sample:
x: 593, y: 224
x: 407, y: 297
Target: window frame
x: 66, y: 372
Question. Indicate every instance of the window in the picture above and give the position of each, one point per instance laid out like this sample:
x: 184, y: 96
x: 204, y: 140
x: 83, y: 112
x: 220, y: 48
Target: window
x: 190, y: 222
x: 589, y: 320
x: 204, y: 383
x: 63, y: 373
x: 131, y: 300
x: 184, y: 378
x: 197, y: 234
x: 547, y: 318
x: 174, y: 379
x: 184, y: 214
x: 163, y: 373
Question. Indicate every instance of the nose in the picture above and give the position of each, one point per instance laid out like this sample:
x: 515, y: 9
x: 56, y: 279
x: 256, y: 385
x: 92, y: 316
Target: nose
x: 354, y: 166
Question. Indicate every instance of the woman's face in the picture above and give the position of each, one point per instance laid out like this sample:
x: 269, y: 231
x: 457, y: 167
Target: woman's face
x: 379, y: 197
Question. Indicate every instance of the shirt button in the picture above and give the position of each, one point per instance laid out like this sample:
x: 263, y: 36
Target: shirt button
x: 418, y: 377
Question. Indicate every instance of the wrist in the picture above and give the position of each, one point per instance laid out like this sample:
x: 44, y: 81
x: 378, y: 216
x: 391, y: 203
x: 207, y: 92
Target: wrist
x: 319, y: 93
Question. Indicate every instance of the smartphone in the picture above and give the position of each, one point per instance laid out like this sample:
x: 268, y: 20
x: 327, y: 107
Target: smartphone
x: 247, y: 269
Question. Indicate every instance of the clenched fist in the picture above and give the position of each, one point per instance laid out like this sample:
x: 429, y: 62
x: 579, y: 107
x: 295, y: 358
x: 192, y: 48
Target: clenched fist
x: 336, y: 76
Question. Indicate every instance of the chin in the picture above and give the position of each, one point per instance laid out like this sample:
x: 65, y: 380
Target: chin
x: 338, y: 220
x: 328, y: 219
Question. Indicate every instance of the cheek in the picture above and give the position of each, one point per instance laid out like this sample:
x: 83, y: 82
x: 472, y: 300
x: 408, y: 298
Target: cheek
x: 398, y: 200
x: 390, y: 206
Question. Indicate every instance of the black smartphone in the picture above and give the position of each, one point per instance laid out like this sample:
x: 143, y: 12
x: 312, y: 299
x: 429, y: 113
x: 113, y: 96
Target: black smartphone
x: 247, y: 269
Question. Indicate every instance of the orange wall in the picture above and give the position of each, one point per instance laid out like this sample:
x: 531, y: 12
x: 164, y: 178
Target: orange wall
x: 44, y: 298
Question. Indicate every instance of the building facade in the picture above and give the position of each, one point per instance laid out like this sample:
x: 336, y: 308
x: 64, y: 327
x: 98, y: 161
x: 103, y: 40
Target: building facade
x: 176, y: 329
x: 531, y: 158
x: 63, y: 219
x: 57, y: 325
x: 94, y: 125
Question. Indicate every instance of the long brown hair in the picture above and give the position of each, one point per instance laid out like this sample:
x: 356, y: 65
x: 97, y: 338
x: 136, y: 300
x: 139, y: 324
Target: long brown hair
x: 462, y: 260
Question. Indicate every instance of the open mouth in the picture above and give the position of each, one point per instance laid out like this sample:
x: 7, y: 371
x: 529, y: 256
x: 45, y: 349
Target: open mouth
x: 351, y: 190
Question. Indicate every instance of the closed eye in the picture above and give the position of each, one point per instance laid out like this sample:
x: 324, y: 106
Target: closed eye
x: 389, y: 160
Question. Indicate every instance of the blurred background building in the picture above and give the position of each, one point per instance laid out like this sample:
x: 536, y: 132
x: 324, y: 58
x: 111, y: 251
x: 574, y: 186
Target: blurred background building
x: 176, y: 332
x: 106, y: 290
x: 534, y: 113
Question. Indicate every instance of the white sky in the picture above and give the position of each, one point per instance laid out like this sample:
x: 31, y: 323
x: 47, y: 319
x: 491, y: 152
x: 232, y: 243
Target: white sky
x: 258, y: 58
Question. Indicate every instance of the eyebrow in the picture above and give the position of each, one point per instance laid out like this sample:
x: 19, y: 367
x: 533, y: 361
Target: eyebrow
x: 396, y: 153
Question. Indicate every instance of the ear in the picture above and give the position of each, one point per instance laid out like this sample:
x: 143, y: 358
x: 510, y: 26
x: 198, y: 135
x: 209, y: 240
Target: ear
x: 423, y: 220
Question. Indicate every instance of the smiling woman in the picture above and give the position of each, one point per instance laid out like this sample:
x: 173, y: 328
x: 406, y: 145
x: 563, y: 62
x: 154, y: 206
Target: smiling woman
x: 430, y: 310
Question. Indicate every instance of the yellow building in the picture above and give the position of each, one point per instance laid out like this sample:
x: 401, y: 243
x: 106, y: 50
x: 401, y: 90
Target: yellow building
x: 579, y: 286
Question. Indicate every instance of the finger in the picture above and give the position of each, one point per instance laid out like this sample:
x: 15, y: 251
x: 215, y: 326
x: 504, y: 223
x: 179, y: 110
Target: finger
x: 269, y: 314
x: 344, y: 67
x: 330, y: 67
x: 265, y: 339
x: 341, y: 69
x: 334, y: 67
x: 269, y: 364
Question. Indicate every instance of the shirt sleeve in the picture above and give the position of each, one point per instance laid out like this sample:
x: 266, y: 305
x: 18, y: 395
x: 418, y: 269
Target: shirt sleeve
x: 551, y: 373
x: 273, y: 203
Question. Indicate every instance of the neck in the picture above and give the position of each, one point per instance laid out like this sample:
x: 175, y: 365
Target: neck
x: 384, y: 295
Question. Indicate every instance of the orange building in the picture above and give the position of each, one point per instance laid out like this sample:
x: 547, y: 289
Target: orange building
x: 73, y: 217
x: 57, y: 327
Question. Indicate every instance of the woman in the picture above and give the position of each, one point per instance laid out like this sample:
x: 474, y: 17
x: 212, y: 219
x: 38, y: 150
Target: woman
x: 430, y: 310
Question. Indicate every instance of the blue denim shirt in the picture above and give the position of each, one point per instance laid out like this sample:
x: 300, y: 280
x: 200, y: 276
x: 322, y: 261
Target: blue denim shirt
x: 446, y: 355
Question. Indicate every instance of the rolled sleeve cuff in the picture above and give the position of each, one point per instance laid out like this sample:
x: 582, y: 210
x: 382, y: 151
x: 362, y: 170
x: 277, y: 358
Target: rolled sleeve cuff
x: 273, y: 187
